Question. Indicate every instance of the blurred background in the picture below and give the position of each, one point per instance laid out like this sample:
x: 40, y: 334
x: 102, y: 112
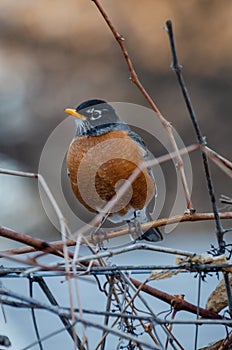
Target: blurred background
x: 55, y: 54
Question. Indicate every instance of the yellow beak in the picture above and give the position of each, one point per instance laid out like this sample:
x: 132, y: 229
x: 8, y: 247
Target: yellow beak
x: 74, y: 113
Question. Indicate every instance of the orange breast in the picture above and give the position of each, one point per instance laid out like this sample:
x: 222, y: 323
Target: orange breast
x: 98, y: 166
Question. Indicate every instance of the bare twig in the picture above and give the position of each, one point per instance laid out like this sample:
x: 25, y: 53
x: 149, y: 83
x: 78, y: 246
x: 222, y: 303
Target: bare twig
x: 223, y: 163
x: 121, y: 191
x: 120, y: 284
x: 108, y: 305
x: 113, y: 314
x: 63, y: 225
x: 36, y: 243
x: 75, y: 256
x: 43, y: 285
x: 134, y: 269
x: 134, y: 78
x: 175, y: 301
x: 59, y: 311
x: 34, y: 316
x: 202, y: 141
x: 133, y: 247
x: 42, y: 182
x: 177, y: 68
x: 65, y: 311
x: 56, y: 247
x: 168, y: 221
x: 129, y: 303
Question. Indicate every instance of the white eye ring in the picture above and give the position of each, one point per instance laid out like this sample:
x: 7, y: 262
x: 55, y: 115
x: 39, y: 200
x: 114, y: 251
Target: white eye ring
x: 94, y: 113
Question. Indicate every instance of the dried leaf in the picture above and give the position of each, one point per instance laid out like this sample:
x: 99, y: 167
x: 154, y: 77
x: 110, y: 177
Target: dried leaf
x: 218, y: 298
x: 161, y: 274
x: 213, y: 346
x: 222, y: 344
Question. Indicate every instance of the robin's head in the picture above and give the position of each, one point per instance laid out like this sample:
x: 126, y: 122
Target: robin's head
x: 93, y: 113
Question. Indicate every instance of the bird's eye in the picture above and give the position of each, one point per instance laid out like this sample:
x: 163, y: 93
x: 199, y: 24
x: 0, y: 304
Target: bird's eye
x: 96, y: 114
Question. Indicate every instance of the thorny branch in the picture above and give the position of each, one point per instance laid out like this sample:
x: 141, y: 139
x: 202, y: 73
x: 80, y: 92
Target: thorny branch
x: 56, y: 248
x: 66, y: 313
x: 154, y: 292
x: 64, y: 229
x: 43, y: 285
x: 112, y: 270
x: 60, y: 248
x: 202, y: 141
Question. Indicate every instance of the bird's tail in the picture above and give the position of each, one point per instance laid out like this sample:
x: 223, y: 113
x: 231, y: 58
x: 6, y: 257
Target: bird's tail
x: 152, y: 235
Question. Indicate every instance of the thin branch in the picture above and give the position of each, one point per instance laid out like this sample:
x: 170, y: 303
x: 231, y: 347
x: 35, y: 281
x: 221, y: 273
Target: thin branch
x: 46, y: 337
x: 61, y: 218
x: 136, y: 269
x: 77, y: 289
x: 148, y: 318
x: 177, y: 68
x: 59, y: 311
x: 127, y: 298
x: 55, y: 248
x: 36, y: 243
x: 103, y: 263
x: 43, y: 285
x: 129, y: 303
x: 115, y: 314
x: 60, y: 248
x: 202, y: 141
x: 166, y: 221
x: 34, y: 316
x: 137, y: 290
x: 98, y: 219
x: 223, y: 163
x: 175, y: 301
x: 134, y: 78
x: 108, y: 305
x: 42, y: 182
x: 133, y: 247
x: 63, y: 227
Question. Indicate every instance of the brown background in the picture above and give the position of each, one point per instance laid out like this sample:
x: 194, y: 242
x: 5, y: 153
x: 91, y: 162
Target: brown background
x: 56, y: 54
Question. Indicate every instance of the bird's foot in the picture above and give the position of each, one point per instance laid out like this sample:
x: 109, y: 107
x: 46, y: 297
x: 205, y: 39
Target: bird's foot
x: 98, y: 236
x: 135, y: 229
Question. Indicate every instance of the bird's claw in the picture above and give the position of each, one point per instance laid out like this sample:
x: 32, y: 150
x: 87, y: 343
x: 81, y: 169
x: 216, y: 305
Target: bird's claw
x: 135, y: 230
x: 98, y: 237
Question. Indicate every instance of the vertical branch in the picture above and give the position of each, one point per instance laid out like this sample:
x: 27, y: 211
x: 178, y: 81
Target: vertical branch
x: 64, y: 229
x: 64, y: 319
x: 34, y: 316
x: 198, y: 309
x: 201, y: 139
x: 75, y: 257
x: 134, y: 78
x: 108, y: 305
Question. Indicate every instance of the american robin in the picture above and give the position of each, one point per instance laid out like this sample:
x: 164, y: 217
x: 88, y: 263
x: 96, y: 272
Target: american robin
x: 102, y: 156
